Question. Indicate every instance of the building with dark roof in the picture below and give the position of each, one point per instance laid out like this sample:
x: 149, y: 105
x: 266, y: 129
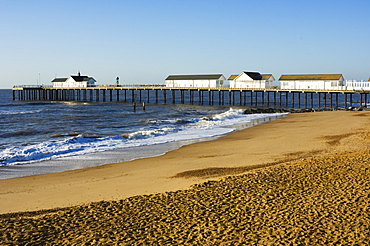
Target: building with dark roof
x: 74, y: 81
x: 251, y: 80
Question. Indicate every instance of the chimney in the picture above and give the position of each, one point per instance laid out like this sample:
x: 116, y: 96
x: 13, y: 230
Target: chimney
x: 79, y: 74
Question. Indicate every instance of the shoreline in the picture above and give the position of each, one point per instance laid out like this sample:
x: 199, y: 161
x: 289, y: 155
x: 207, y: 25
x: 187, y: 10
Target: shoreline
x: 272, y: 143
x: 96, y: 159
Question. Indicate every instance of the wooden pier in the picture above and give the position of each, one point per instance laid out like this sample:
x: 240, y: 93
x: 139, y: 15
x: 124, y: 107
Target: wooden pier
x: 316, y: 99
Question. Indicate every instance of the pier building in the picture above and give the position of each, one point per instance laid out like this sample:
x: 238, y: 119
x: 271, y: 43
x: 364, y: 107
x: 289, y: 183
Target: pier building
x: 252, y: 80
x: 74, y: 81
x: 196, y: 81
x: 312, y: 81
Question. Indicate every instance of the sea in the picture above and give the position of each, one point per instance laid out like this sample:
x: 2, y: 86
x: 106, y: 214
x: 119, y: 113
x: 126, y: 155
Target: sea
x: 40, y: 137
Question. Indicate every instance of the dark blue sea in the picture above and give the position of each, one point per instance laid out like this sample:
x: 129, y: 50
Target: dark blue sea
x: 41, y: 136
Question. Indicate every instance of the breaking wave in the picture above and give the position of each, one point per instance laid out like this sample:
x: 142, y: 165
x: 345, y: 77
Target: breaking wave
x: 156, y: 132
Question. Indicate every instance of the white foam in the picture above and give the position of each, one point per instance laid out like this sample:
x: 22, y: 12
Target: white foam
x: 79, y: 145
x: 6, y: 112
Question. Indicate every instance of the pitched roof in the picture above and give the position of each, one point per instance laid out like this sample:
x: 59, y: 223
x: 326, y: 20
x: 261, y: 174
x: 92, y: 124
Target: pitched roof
x: 194, y: 77
x: 266, y: 76
x: 311, y: 77
x: 232, y: 77
x: 80, y: 78
x: 59, y: 80
x: 254, y: 75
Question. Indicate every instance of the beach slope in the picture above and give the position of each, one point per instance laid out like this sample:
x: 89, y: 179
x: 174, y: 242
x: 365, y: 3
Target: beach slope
x: 295, y: 137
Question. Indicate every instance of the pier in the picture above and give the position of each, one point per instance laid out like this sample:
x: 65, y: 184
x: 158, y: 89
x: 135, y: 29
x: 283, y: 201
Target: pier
x: 316, y: 99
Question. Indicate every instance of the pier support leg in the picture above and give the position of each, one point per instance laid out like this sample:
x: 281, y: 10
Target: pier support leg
x: 256, y: 98
x: 331, y: 100
x: 182, y: 96
x: 286, y: 99
x: 280, y: 98
x: 97, y: 95
x: 365, y: 100
x: 318, y: 101
x: 305, y: 100
x: 104, y: 96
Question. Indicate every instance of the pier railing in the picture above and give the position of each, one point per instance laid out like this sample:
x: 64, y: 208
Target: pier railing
x: 357, y: 85
x: 96, y: 86
x: 27, y: 86
x: 351, y: 87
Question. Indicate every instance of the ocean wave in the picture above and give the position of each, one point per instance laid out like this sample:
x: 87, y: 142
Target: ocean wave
x: 54, y: 149
x: 165, y: 130
x: 150, y: 133
x: 7, y: 105
x: 21, y: 133
x: 7, y: 112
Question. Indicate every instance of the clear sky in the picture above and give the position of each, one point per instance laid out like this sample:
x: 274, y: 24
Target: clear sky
x: 143, y: 41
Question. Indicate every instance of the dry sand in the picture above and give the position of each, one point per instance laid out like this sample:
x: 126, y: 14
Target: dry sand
x: 313, y: 190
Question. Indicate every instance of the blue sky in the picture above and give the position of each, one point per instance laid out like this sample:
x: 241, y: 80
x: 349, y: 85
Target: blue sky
x: 143, y: 41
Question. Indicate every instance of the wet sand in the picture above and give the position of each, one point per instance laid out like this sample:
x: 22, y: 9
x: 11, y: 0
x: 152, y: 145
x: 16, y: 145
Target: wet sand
x: 302, y: 180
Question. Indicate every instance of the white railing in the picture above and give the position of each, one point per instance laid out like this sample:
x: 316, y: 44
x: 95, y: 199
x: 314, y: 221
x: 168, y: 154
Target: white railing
x: 357, y: 85
x: 350, y: 85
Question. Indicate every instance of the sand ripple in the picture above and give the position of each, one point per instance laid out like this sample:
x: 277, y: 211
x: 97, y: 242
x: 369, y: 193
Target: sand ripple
x: 316, y: 202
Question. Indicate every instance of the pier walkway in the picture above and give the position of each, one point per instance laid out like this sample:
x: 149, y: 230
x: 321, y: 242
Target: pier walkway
x: 330, y: 99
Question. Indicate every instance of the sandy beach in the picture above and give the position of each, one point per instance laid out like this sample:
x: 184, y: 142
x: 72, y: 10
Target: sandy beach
x: 303, y: 179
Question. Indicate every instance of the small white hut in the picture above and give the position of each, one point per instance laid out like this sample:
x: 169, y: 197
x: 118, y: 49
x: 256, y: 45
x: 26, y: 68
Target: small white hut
x: 252, y: 80
x: 74, y: 81
x: 312, y: 81
x: 201, y: 80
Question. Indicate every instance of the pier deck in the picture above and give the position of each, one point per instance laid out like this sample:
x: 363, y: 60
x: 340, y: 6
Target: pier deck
x: 292, y: 98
